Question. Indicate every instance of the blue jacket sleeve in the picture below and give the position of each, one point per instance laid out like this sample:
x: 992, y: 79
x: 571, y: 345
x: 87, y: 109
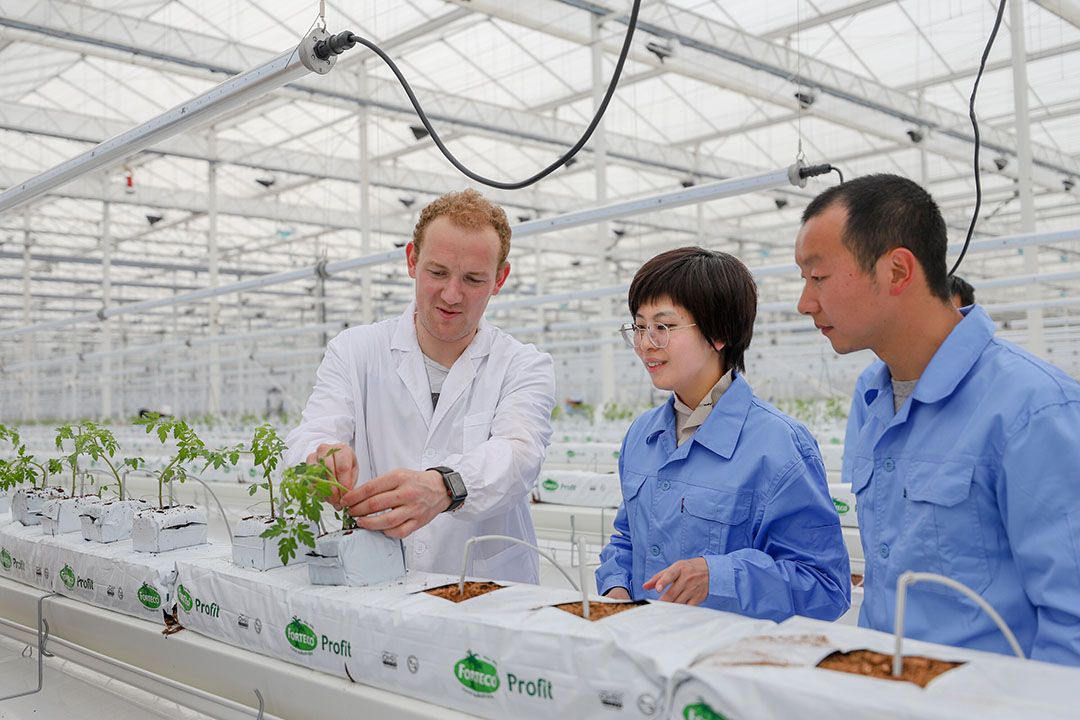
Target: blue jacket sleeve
x: 1040, y: 504
x: 616, y: 559
x: 797, y: 564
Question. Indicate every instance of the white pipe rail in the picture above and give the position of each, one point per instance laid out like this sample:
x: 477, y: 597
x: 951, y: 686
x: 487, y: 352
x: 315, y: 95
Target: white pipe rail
x: 235, y: 92
x: 910, y: 578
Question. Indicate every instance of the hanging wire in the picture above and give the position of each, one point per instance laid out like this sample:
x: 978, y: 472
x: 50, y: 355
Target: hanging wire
x: 975, y: 128
x: 343, y: 41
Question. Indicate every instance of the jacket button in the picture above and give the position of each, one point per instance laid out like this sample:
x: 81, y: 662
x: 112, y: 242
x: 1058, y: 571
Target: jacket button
x: 665, y: 485
x: 428, y: 454
x: 884, y: 550
x: 655, y: 550
x: 889, y: 465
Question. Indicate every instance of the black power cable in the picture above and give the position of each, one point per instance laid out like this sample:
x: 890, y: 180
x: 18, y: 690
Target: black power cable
x: 341, y: 42
x: 975, y: 127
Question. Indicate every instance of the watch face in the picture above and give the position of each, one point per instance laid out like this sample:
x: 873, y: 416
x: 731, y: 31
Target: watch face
x: 456, y: 486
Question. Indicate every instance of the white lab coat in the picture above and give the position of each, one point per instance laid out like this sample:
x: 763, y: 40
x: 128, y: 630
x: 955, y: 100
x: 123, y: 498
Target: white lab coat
x: 492, y: 425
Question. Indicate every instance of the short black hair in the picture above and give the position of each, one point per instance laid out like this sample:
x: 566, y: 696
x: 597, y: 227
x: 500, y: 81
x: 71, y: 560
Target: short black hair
x: 885, y: 212
x: 960, y: 286
x: 714, y: 287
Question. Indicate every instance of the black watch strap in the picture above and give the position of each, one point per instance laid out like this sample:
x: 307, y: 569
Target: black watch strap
x: 455, y: 486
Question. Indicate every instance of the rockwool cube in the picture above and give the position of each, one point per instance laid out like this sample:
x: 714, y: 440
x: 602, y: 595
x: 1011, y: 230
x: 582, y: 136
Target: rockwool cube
x: 774, y: 674
x: 355, y: 557
x: 163, y: 529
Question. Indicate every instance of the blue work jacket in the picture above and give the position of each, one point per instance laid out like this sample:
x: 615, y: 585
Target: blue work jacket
x: 976, y: 477
x: 747, y: 493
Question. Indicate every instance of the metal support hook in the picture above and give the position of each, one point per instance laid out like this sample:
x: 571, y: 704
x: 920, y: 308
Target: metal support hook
x: 43, y: 637
x: 258, y: 694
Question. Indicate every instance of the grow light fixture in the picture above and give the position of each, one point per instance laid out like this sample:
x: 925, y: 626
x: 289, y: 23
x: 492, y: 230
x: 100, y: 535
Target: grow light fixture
x: 234, y: 93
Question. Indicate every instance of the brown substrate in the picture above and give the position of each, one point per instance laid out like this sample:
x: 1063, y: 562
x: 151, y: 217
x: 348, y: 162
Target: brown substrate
x: 472, y: 589
x: 599, y: 610
x: 856, y: 580
x: 917, y: 669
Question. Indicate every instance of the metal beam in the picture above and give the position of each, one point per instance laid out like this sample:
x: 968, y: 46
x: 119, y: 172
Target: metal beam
x: 823, y: 19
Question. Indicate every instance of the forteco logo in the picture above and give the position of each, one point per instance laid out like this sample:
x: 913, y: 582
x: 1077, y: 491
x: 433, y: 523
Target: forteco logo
x: 149, y: 597
x: 184, y: 596
x: 68, y: 576
x: 841, y: 506
x: 301, y: 637
x: 701, y: 711
x: 5, y: 558
x: 550, y: 485
x: 476, y: 674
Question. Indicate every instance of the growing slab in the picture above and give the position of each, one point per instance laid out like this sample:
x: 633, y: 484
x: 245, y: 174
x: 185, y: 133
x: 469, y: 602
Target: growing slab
x: 599, y: 610
x: 917, y: 669
x: 472, y: 590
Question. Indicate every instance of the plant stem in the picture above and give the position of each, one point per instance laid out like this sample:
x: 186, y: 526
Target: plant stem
x: 119, y: 482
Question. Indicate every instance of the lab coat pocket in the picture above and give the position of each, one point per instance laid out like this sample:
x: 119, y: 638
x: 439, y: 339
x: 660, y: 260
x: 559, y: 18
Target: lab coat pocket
x: 477, y: 430
x: 942, y: 525
x: 713, y: 521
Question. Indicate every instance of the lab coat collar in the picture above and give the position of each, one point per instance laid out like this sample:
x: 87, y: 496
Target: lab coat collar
x: 410, y: 366
x: 721, y: 430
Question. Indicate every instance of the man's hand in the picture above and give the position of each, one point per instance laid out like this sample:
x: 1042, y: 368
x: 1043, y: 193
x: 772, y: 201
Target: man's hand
x: 617, y: 593
x: 687, y: 582
x: 342, y: 464
x: 411, y: 499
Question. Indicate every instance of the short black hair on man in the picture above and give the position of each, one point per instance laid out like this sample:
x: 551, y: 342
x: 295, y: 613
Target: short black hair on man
x: 886, y: 212
x: 715, y: 288
x: 960, y: 286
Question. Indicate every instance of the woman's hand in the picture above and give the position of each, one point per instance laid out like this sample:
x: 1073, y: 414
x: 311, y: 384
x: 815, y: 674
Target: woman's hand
x: 686, y: 581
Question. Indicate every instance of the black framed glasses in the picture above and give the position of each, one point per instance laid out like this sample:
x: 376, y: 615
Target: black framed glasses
x: 659, y: 333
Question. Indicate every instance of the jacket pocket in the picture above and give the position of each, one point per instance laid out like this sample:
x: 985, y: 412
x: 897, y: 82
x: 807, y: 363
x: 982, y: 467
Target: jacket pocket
x: 942, y: 525
x: 713, y: 521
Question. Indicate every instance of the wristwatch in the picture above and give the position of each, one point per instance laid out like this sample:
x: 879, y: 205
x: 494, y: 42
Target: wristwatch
x: 455, y: 487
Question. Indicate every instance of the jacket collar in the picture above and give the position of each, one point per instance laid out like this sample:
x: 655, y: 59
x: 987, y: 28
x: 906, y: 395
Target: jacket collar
x: 950, y: 364
x: 721, y: 430
x: 956, y: 356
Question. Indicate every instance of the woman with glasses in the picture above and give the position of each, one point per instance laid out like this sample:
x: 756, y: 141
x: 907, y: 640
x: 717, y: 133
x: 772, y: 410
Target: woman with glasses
x: 725, y: 502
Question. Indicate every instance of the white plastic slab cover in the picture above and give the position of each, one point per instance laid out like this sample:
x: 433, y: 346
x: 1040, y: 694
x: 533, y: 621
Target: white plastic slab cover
x: 355, y: 557
x: 27, y: 503
x: 108, y: 522
x: 61, y: 516
x: 251, y: 551
x: 163, y: 529
x: 5, y: 502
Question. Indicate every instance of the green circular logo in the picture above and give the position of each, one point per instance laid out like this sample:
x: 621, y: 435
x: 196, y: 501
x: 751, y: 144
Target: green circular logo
x: 67, y: 575
x: 5, y: 558
x: 184, y: 596
x: 701, y: 711
x: 550, y: 485
x: 149, y: 597
x: 476, y: 674
x: 301, y: 636
x: 841, y: 506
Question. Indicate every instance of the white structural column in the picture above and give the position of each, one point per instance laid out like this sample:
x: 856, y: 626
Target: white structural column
x: 603, y: 234
x: 368, y: 297
x: 214, y: 402
x: 28, y: 347
x: 1036, y: 341
x: 106, y: 301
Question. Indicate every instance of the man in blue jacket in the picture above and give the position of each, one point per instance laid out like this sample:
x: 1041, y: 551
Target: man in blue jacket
x: 961, y: 448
